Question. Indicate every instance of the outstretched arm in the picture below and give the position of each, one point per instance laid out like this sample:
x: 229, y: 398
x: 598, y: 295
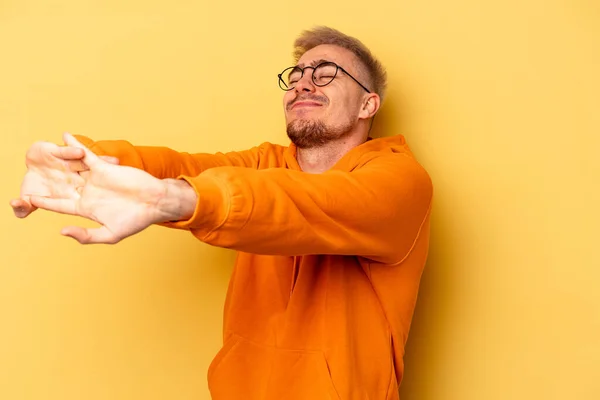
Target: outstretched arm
x: 160, y: 162
x: 376, y: 211
x: 163, y: 162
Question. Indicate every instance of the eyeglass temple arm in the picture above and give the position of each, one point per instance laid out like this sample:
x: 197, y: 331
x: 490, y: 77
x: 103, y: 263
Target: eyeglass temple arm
x: 354, y: 79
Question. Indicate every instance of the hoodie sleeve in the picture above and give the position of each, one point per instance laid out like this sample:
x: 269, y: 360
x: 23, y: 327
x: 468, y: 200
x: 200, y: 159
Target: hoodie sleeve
x: 162, y: 162
x: 375, y: 211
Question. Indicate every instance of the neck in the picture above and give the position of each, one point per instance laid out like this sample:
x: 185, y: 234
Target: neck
x: 317, y: 160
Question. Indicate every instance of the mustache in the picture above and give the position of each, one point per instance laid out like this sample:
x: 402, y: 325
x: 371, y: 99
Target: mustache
x: 317, y: 98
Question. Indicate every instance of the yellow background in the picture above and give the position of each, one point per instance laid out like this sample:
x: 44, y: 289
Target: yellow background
x: 499, y: 100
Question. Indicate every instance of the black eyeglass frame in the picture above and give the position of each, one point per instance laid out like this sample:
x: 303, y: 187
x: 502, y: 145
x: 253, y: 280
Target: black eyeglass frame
x: 337, y: 68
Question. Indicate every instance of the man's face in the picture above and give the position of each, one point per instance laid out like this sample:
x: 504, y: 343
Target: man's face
x: 315, y: 114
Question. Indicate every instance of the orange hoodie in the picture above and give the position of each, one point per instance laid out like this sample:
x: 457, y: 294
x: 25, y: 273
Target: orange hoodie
x: 323, y: 291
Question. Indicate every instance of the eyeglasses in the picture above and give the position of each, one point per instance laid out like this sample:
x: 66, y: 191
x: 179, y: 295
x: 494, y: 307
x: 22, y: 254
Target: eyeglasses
x: 322, y: 75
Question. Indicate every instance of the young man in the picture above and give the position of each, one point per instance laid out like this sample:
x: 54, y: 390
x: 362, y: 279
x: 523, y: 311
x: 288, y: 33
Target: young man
x: 332, y: 231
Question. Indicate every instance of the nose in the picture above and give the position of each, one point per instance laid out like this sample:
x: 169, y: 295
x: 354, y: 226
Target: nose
x: 305, y: 84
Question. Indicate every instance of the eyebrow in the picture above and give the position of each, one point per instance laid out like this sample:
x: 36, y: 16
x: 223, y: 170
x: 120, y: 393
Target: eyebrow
x: 314, y: 63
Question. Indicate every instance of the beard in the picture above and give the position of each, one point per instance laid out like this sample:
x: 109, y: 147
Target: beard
x: 308, y: 134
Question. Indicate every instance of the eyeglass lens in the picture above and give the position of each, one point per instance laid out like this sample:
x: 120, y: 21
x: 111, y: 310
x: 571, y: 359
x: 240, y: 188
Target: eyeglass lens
x: 322, y: 75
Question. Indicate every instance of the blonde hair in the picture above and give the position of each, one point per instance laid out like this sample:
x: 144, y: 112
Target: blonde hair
x: 324, y: 35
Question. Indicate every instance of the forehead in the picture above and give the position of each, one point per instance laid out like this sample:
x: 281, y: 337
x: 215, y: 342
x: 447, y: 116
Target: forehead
x: 339, y: 55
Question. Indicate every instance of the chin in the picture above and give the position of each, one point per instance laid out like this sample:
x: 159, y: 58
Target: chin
x: 313, y: 132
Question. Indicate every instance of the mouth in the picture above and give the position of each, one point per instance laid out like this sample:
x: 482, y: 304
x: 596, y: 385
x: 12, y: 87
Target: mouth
x: 305, y: 104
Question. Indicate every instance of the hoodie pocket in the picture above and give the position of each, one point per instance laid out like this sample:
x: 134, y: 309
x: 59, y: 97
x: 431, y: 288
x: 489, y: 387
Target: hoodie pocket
x: 225, y: 350
x: 251, y: 371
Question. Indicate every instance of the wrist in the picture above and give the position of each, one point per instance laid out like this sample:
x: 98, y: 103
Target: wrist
x: 177, y: 201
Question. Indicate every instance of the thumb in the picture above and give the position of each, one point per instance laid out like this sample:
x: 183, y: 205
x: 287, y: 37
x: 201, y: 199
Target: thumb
x: 22, y: 208
x: 90, y: 235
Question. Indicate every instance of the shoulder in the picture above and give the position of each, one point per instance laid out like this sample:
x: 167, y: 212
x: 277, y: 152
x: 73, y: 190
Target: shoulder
x: 389, y: 153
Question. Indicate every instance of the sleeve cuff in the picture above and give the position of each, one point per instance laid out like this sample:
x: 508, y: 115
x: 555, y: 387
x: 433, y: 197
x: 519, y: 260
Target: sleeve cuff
x: 212, y: 208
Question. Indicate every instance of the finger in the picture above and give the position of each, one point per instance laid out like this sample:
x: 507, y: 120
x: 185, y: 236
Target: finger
x: 67, y: 153
x: 110, y: 159
x: 76, y: 165
x: 21, y: 208
x: 90, y: 158
x: 80, y: 167
x: 90, y: 235
x: 63, y: 206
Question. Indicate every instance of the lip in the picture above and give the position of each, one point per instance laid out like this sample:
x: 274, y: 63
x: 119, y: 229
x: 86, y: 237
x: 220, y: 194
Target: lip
x: 306, y: 104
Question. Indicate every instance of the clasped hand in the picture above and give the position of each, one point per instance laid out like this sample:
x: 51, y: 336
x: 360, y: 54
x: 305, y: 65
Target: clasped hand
x: 73, y: 180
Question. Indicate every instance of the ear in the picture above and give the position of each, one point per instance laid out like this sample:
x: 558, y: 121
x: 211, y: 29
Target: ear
x: 370, y: 106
